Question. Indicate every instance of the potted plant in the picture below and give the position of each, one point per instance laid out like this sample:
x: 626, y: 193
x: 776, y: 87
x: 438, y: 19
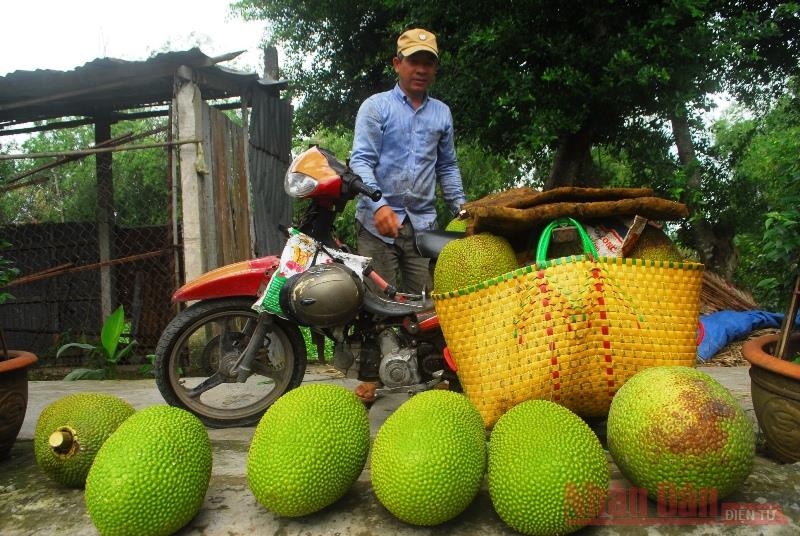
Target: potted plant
x: 775, y: 384
x: 13, y: 372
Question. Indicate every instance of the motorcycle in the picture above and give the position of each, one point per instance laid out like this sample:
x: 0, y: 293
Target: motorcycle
x: 227, y: 361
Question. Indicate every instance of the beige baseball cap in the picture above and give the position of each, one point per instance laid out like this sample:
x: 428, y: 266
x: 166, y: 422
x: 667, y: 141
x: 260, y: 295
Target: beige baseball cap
x: 417, y: 40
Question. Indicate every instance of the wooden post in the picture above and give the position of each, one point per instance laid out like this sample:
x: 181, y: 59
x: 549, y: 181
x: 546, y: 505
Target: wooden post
x: 187, y: 106
x: 104, y: 213
x: 246, y: 168
x: 172, y: 173
x: 271, y: 69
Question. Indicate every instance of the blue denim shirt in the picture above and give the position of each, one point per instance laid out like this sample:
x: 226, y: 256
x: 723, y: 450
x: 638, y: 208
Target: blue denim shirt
x: 403, y: 151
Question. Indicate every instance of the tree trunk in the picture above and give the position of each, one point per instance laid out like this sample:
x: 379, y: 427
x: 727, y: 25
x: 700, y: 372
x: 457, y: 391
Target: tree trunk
x: 713, y: 244
x: 572, y: 165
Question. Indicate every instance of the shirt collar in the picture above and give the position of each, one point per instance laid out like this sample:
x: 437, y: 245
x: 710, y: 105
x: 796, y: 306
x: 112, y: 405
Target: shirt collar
x: 404, y: 98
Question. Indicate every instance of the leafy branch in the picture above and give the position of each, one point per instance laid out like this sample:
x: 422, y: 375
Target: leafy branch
x: 109, y: 349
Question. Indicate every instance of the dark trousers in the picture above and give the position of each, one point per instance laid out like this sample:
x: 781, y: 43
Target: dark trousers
x: 401, y: 257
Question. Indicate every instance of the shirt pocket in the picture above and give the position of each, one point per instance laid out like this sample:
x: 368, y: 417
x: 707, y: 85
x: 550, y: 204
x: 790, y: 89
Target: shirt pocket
x: 429, y: 141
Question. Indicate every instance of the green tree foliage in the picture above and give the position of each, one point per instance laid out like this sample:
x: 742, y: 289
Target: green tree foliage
x: 67, y: 194
x: 758, y: 48
x: 533, y: 75
x: 761, y: 154
x: 482, y: 172
x: 514, y: 71
x: 69, y: 191
x: 641, y: 156
x: 6, y: 166
x: 141, y: 182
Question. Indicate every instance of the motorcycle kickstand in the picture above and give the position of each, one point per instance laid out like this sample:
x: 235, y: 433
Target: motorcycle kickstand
x: 411, y: 390
x: 243, y: 365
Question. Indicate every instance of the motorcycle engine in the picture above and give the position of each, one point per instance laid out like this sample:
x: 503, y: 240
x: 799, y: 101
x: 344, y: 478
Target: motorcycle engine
x: 398, y: 364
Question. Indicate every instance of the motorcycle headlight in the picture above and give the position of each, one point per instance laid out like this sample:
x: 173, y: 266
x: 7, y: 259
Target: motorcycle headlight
x: 298, y: 184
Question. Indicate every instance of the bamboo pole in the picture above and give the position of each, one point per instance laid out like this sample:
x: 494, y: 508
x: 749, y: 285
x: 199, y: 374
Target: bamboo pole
x: 84, y: 152
x: 55, y: 272
x: 89, y: 120
x: 14, y: 184
x: 38, y: 275
x: 33, y: 182
x: 128, y: 136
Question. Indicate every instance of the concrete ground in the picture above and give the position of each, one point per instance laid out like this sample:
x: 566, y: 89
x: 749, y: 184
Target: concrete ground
x: 31, y: 504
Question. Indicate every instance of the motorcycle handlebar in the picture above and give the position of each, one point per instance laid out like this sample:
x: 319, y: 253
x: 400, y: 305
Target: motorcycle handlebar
x: 358, y: 186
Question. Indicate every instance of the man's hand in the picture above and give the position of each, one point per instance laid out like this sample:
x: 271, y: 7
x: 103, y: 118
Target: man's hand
x: 386, y: 222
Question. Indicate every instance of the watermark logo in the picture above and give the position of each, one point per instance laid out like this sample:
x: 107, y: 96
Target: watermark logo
x: 588, y: 504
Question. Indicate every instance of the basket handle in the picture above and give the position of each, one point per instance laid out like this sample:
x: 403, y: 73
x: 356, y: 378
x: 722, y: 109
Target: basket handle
x: 544, y: 240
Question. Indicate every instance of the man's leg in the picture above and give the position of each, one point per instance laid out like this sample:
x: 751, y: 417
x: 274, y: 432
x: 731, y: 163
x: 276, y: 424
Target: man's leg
x: 414, y: 268
x: 417, y: 271
x: 385, y: 261
x: 385, y: 257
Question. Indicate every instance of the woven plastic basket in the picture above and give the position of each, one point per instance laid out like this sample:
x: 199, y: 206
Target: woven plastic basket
x: 571, y: 330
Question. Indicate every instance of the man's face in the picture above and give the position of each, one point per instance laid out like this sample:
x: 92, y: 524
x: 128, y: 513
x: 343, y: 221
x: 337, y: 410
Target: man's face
x: 416, y: 72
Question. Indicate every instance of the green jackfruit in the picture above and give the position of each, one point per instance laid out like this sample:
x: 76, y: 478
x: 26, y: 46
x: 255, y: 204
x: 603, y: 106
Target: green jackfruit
x: 472, y: 259
x: 151, y: 476
x: 429, y: 457
x: 678, y: 428
x: 548, y: 473
x: 308, y: 449
x: 71, y: 430
x: 458, y: 224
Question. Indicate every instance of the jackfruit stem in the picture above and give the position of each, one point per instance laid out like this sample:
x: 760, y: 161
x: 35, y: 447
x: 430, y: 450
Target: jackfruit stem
x: 61, y: 441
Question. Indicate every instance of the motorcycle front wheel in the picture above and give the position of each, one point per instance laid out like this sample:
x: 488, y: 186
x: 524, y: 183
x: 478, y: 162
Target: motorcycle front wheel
x: 199, y: 347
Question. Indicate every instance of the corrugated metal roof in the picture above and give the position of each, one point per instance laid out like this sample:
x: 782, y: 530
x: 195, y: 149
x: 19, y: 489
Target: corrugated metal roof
x: 109, y: 84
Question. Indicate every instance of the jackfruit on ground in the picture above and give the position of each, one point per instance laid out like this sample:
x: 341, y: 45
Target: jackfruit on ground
x: 653, y: 244
x: 678, y: 428
x: 71, y: 430
x: 308, y: 449
x: 151, y: 476
x: 429, y: 457
x: 472, y: 259
x: 548, y: 473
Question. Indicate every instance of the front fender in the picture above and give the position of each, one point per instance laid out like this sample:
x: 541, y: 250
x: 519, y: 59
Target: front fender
x: 244, y: 278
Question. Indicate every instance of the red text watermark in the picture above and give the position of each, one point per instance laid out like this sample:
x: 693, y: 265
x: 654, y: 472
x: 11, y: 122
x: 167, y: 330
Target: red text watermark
x: 588, y: 504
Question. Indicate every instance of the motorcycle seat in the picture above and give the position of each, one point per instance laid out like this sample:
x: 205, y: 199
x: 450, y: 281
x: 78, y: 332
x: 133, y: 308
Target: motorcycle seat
x: 430, y: 243
x: 380, y: 306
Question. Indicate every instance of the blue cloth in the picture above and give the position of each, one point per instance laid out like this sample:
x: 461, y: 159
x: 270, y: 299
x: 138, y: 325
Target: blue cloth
x: 403, y: 151
x: 725, y: 326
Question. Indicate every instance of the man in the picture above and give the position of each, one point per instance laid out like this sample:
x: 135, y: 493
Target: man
x: 403, y: 145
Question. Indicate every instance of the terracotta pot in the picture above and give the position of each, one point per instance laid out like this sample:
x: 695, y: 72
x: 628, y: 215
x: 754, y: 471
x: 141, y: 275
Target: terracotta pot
x: 13, y: 396
x: 775, y: 388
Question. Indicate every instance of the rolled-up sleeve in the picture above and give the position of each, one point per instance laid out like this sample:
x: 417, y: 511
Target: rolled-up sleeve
x: 367, y: 142
x: 447, y: 171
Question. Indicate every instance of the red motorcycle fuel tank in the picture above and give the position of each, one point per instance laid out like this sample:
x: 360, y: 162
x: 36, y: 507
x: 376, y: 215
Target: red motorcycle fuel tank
x: 245, y: 278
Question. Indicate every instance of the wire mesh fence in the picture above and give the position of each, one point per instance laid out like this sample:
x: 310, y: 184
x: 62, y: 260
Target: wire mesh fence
x: 74, y: 264
x: 57, y: 298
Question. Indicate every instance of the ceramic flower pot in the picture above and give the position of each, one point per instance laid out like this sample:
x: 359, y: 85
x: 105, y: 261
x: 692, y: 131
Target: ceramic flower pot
x: 775, y: 388
x: 13, y: 396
